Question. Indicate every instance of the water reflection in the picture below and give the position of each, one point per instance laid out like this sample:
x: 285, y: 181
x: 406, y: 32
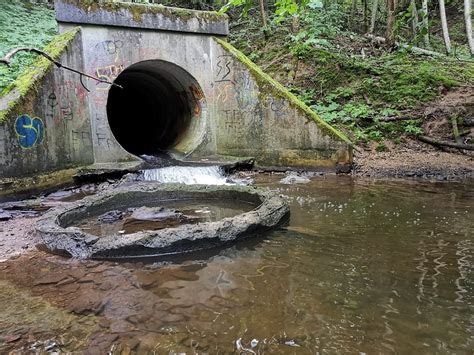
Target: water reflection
x: 363, y: 267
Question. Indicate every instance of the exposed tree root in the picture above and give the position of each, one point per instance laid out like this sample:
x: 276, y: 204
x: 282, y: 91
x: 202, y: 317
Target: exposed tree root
x: 437, y: 143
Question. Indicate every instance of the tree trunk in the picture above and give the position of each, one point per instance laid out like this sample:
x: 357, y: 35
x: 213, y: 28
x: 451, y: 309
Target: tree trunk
x: 365, y: 4
x: 426, y: 36
x: 375, y: 6
x: 444, y: 25
x: 262, y: 13
x: 353, y: 13
x: 391, y: 8
x: 353, y: 8
x: 414, y: 17
x: 467, y: 18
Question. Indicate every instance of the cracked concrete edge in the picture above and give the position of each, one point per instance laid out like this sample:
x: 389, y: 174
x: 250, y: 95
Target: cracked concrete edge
x: 271, y: 212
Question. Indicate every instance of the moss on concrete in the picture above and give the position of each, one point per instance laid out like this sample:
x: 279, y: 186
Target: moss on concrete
x: 31, y: 77
x: 37, y: 183
x: 138, y: 10
x: 268, y: 86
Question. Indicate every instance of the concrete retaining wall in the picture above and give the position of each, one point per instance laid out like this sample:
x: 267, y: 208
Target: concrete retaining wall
x: 47, y: 127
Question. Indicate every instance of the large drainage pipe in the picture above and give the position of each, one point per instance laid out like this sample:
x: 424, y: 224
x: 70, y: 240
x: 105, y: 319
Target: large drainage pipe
x: 160, y: 108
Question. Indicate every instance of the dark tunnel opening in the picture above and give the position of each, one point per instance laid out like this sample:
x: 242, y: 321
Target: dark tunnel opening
x: 154, y: 109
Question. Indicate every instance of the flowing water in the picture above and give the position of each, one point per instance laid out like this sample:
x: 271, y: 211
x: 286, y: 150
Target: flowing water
x: 206, y: 175
x: 364, y: 267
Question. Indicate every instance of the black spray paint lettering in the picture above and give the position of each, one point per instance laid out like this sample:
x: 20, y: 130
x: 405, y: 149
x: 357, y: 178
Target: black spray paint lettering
x: 110, y: 46
x: 103, y: 140
x: 81, y: 137
x: 51, y: 103
x: 223, y: 68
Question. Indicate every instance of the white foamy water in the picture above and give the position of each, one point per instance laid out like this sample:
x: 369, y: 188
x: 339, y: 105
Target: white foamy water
x: 189, y: 175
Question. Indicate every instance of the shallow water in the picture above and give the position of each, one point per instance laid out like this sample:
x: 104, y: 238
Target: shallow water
x: 363, y: 267
x: 190, y: 212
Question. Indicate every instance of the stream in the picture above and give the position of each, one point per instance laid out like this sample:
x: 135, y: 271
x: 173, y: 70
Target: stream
x: 362, y: 267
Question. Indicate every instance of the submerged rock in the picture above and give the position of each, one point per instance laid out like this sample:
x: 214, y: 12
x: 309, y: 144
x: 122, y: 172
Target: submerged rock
x: 294, y: 178
x: 155, y: 214
x: 111, y: 216
x: 5, y: 216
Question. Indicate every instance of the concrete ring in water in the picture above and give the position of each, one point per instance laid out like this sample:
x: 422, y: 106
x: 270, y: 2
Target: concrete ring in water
x: 58, y: 236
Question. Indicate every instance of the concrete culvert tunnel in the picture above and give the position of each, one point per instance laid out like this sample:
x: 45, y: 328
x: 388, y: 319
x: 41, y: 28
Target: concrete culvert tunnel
x: 160, y: 108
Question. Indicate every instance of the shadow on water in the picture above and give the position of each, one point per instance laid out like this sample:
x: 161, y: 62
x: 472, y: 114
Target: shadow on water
x: 363, y: 267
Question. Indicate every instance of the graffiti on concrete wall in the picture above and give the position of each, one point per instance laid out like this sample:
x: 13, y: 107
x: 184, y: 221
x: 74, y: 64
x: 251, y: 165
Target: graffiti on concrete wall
x: 102, y: 133
x: 81, y: 139
x: 224, y: 68
x: 198, y: 96
x: 110, y: 46
x: 29, y: 131
x: 235, y: 87
x: 108, y: 73
x: 66, y: 102
x: 108, y: 64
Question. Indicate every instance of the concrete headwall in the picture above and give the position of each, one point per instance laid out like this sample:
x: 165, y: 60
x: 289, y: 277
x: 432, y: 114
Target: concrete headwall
x: 232, y: 108
x: 108, y: 51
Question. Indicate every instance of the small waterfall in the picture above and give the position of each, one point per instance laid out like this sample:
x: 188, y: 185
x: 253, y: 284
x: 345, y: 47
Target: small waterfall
x: 206, y: 175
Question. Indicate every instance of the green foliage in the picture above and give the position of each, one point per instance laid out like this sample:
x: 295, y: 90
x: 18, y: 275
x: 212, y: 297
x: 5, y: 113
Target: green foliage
x: 27, y: 80
x: 247, y: 5
x: 22, y: 25
x: 412, y: 127
x: 283, y: 8
x: 381, y: 147
x: 320, y: 24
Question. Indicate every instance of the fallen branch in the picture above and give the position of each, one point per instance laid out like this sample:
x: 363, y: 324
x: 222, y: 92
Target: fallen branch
x: 413, y: 49
x: 420, y: 51
x: 437, y: 143
x: 7, y: 60
x: 398, y: 118
x: 457, y: 136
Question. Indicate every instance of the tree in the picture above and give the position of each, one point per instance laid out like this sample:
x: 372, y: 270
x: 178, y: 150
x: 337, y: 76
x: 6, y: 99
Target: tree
x: 414, y: 17
x: 353, y: 12
x: 467, y: 18
x: 262, y: 13
x: 375, y: 6
x: 444, y: 25
x: 426, y: 36
x: 391, y: 10
x: 366, y: 14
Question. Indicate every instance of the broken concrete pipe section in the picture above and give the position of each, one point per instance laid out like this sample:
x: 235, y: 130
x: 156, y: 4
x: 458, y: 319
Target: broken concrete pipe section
x: 59, y: 236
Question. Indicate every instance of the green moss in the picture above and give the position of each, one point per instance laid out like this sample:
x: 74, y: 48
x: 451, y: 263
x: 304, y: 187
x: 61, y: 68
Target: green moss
x: 27, y: 81
x: 268, y: 85
x: 137, y: 10
x: 23, y: 24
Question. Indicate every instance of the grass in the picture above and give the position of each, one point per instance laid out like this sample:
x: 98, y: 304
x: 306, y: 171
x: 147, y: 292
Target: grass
x: 23, y: 25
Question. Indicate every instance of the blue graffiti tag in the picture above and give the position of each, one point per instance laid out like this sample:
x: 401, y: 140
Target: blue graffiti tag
x: 30, y: 131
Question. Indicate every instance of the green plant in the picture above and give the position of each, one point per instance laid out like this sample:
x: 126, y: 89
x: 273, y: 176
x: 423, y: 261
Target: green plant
x: 412, y: 127
x: 381, y: 147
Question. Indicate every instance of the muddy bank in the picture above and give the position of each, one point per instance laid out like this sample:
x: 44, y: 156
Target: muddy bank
x: 16, y: 237
x: 414, y: 160
x: 18, y: 218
